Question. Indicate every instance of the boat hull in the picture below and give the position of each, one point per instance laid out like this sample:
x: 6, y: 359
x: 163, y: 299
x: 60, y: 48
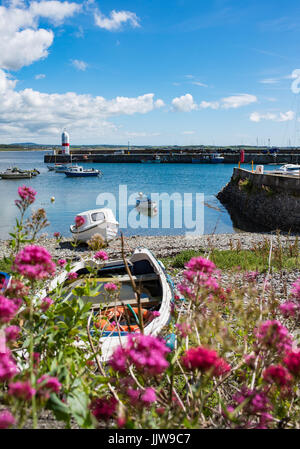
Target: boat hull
x: 82, y: 175
x: 147, y: 266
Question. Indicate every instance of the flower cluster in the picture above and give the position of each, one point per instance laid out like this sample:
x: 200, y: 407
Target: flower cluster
x: 27, y: 195
x: 101, y: 255
x: 110, y: 287
x: 103, y: 408
x: 46, y: 303
x: 277, y: 374
x: 8, y: 367
x: 200, y: 272
x: 6, y: 419
x: 140, y: 397
x: 34, y: 262
x: 205, y: 360
x: 255, y: 412
x: 145, y: 352
x: 8, y: 309
x: 292, y: 361
x: 48, y: 384
x: 79, y: 221
x: 291, y: 308
x: 21, y: 390
x: 272, y: 334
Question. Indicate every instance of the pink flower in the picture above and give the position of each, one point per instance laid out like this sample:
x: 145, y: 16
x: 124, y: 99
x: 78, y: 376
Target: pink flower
x: 148, y: 396
x: 201, y: 264
x: 272, y: 334
x: 27, y: 194
x: 62, y: 262
x: 145, y: 352
x: 34, y: 262
x: 101, y: 255
x: 288, y: 309
x: 12, y: 333
x: 205, y: 360
x: 8, y: 367
x: 184, y: 329
x: 6, y: 419
x: 57, y: 235
x: 103, y: 408
x: 110, y: 287
x: 79, y: 221
x: 72, y: 275
x: 47, y: 385
x: 155, y: 314
x: 46, y: 303
x: 8, y: 309
x: 21, y: 390
x: 277, y: 374
x: 292, y: 361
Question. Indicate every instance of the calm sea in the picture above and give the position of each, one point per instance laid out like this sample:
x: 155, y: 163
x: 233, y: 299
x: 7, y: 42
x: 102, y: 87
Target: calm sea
x: 75, y: 195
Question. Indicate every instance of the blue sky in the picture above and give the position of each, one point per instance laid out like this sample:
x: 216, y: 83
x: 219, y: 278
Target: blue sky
x: 150, y: 72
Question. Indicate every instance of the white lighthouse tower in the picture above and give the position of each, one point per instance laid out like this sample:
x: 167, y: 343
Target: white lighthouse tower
x: 65, y: 143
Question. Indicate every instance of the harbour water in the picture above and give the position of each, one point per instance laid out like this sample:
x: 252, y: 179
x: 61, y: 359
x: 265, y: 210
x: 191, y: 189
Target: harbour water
x: 75, y: 195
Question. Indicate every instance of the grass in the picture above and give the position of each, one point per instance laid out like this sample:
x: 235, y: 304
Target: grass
x: 247, y: 260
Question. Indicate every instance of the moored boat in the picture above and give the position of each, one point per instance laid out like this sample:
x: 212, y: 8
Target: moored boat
x: 216, y: 158
x: 144, y: 202
x: 115, y: 317
x: 16, y: 173
x: 96, y: 221
x: 79, y: 171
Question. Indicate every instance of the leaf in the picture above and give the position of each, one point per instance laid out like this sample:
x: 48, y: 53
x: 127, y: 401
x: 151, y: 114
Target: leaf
x: 59, y: 408
x: 78, y: 402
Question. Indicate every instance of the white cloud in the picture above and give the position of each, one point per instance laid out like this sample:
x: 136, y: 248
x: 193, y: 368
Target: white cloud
x: 269, y: 81
x: 28, y: 112
x: 80, y: 65
x: 40, y: 76
x: 209, y: 104
x: 116, y: 20
x: 21, y: 41
x: 236, y: 101
x: 185, y: 103
x: 281, y: 117
x: 198, y: 83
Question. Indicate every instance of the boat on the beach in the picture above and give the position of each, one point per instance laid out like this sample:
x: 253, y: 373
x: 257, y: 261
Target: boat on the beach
x: 5, y: 280
x: 78, y: 171
x: 115, y: 316
x: 144, y: 202
x: 96, y: 221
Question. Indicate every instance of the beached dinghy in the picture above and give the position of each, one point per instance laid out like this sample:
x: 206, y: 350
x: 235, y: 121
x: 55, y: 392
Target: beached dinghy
x: 113, y: 317
x: 96, y: 221
x: 144, y: 203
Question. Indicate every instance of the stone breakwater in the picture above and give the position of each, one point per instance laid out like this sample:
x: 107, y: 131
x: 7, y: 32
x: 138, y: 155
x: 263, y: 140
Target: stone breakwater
x: 162, y: 246
x: 265, y: 202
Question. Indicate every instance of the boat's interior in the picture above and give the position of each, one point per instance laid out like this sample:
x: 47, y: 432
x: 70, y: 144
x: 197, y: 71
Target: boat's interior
x: 110, y: 307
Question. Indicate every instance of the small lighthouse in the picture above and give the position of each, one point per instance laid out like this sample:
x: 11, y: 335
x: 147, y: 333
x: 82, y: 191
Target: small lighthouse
x: 65, y: 143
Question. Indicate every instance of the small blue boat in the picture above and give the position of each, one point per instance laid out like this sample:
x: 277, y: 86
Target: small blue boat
x: 5, y: 279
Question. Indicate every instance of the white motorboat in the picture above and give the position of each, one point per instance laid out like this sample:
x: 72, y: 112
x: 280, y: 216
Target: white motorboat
x: 288, y: 169
x: 144, y: 203
x: 96, y: 221
x: 114, y: 318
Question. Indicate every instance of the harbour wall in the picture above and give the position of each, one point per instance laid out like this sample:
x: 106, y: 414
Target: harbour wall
x: 173, y: 158
x: 262, y: 202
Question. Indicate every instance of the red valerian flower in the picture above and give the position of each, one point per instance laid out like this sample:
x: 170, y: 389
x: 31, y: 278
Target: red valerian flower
x: 205, y: 360
x: 292, y: 361
x: 34, y: 262
x: 79, y: 221
x: 277, y: 374
x: 103, y: 408
x: 6, y: 419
